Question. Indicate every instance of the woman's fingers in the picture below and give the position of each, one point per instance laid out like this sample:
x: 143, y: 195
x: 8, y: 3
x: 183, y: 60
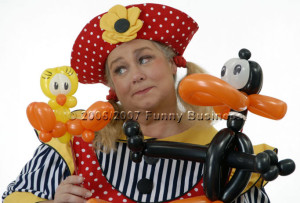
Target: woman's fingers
x: 69, y: 191
x: 73, y: 180
x: 75, y: 190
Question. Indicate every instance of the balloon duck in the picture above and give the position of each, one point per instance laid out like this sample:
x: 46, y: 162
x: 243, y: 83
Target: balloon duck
x: 232, y: 97
x: 59, y: 84
x: 54, y: 119
x: 246, y: 77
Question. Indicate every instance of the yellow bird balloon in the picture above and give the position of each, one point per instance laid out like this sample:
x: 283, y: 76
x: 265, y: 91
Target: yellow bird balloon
x: 59, y: 84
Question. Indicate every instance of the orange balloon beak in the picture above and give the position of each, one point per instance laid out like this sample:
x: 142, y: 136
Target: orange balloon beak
x: 61, y: 99
x: 268, y: 107
x: 207, y: 90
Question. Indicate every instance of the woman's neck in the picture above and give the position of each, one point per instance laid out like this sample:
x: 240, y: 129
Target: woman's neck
x: 161, y: 121
x: 162, y: 125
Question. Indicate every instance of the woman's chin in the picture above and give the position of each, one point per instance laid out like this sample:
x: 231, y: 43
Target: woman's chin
x: 147, y: 106
x: 144, y: 105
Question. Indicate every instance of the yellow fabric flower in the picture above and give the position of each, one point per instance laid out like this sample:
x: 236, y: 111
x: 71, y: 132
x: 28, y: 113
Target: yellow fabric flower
x: 120, y: 24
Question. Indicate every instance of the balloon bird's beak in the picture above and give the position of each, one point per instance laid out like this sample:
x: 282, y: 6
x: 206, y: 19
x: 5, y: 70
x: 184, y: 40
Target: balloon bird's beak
x: 207, y: 90
x: 61, y: 99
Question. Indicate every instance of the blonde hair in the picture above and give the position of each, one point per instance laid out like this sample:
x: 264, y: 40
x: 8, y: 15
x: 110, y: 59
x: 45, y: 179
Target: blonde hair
x: 106, y: 138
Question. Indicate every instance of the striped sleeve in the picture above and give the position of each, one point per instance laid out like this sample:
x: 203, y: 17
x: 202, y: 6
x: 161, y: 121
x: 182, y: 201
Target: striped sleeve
x: 254, y: 195
x: 41, y: 175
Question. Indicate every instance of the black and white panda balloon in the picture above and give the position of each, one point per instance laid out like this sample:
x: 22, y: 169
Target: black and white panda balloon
x: 243, y: 74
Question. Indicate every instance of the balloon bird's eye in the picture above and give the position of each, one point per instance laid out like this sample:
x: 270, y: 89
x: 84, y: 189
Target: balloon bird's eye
x: 236, y: 72
x: 66, y: 85
x: 237, y: 69
x: 60, y: 84
x: 55, y: 85
x: 223, y: 71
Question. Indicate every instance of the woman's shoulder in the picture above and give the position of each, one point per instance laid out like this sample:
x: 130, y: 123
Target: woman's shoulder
x: 63, y: 150
x: 46, y: 165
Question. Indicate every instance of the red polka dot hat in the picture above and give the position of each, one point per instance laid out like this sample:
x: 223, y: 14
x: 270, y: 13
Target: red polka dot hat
x: 121, y: 24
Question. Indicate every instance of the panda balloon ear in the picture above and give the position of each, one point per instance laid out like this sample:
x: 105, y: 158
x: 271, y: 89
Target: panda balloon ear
x: 244, y: 54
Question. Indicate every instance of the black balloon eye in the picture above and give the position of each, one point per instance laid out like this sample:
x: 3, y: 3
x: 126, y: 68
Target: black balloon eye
x: 223, y: 71
x: 66, y: 86
x: 237, y: 69
x: 56, y: 85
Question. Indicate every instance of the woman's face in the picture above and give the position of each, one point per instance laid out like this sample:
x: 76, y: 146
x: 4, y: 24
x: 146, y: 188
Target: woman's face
x: 142, y: 77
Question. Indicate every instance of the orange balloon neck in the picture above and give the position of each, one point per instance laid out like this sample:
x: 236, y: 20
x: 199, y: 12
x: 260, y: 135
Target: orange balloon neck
x: 61, y: 99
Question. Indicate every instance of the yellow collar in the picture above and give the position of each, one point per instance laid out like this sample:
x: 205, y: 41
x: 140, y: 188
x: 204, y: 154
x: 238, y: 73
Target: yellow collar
x: 197, y: 134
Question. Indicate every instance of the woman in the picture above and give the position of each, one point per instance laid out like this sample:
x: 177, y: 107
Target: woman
x: 136, y: 52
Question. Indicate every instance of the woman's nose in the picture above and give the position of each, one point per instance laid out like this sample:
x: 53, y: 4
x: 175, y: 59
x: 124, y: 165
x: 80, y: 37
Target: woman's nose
x: 138, y: 76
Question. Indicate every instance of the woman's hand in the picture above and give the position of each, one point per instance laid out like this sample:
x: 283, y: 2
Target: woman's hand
x: 70, y: 191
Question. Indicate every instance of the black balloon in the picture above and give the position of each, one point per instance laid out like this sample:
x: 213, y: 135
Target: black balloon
x: 228, y: 149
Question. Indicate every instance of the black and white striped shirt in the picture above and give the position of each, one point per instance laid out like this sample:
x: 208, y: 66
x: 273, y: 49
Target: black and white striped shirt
x: 44, y: 172
x: 41, y: 175
x: 168, y: 184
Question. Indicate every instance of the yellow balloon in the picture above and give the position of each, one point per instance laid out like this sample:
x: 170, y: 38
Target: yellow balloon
x: 65, y: 138
x: 60, y: 80
x: 62, y: 114
x: 59, y: 84
x: 71, y: 101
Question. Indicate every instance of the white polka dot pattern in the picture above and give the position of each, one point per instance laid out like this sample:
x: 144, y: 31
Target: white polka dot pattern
x: 98, y: 184
x: 160, y: 23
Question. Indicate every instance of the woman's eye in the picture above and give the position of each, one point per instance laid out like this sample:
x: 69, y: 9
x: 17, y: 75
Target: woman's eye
x: 120, y: 70
x: 145, y: 59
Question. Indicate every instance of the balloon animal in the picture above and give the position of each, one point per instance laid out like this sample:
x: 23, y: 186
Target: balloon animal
x: 229, y: 144
x: 265, y: 163
x: 55, y: 120
x: 242, y: 81
x: 59, y: 84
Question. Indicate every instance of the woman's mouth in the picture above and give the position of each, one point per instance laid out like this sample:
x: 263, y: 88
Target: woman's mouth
x: 143, y: 91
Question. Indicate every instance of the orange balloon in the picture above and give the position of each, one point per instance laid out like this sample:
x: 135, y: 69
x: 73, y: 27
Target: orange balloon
x: 200, y: 199
x: 222, y: 111
x: 61, y: 99
x: 59, y: 130
x: 41, y: 116
x: 266, y: 106
x: 45, y: 136
x: 31, y: 117
x: 207, y: 90
x: 94, y: 200
x: 88, y: 135
x: 94, y: 119
x: 75, y: 127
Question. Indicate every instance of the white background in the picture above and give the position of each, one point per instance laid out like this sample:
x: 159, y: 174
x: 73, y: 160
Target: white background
x: 35, y: 35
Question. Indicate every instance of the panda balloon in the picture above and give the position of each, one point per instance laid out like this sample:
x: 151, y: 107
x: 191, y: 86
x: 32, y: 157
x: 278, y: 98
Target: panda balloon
x: 245, y: 76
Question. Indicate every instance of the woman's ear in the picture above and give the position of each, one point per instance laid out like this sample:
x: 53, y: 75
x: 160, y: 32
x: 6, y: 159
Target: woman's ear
x: 174, y: 67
